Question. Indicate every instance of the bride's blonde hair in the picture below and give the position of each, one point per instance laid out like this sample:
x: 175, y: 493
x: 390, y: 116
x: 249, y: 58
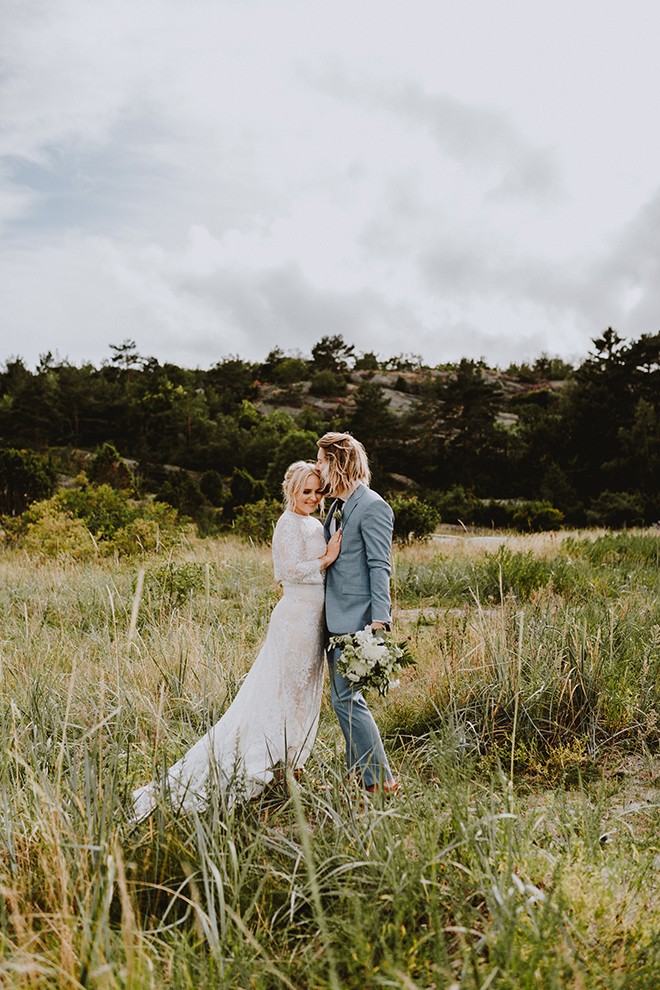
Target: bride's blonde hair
x: 294, y: 480
x: 347, y: 461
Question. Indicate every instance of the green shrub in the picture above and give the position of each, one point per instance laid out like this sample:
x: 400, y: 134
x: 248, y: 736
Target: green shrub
x: 327, y: 384
x: 144, y: 535
x: 93, y: 518
x: 537, y: 516
x: 290, y: 370
x: 211, y: 522
x: 256, y: 522
x: 102, y: 508
x: 617, y: 509
x: 461, y: 505
x: 414, y: 519
x: 182, y: 492
x: 173, y: 584
x: 244, y: 490
x: 48, y: 530
x: 25, y: 477
x: 108, y: 467
x: 495, y: 514
x: 456, y: 505
x: 527, y: 516
x: 212, y: 488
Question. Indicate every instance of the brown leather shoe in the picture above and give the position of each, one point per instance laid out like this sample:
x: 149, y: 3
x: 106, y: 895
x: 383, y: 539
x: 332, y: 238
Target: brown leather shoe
x: 390, y: 788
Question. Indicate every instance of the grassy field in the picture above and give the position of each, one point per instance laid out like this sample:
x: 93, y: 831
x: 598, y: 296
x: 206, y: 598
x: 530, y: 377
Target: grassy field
x: 523, y: 852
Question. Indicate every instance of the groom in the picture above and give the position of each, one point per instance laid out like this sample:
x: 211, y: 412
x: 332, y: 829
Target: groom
x: 357, y: 592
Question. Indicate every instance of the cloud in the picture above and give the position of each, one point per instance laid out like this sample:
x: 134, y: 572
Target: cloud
x: 222, y: 177
x: 69, y: 74
x: 184, y: 305
x: 629, y: 273
x: 476, y: 136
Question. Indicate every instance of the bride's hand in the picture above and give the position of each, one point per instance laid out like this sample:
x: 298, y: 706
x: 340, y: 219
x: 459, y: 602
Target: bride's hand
x: 332, y: 549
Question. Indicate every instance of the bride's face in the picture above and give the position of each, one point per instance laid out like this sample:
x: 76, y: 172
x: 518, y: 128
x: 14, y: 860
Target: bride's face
x: 307, y: 500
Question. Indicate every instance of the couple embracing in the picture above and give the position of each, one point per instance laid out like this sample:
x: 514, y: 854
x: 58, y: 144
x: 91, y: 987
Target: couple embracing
x: 336, y: 580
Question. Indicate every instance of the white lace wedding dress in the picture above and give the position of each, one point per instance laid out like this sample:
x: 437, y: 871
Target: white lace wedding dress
x: 274, y: 717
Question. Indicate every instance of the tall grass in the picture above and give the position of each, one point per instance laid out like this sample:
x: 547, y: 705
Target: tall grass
x: 523, y: 852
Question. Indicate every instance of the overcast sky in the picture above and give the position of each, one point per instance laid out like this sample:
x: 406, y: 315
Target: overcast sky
x: 216, y: 177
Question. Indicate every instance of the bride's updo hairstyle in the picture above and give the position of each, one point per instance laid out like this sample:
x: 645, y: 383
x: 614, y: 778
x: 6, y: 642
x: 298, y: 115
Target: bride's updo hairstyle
x: 294, y: 481
x: 347, y: 462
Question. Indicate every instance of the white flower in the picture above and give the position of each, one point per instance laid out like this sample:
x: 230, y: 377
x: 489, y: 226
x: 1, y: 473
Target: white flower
x: 359, y: 668
x: 369, y: 659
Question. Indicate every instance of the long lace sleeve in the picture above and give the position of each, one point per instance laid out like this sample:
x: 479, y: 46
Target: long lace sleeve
x: 298, y: 542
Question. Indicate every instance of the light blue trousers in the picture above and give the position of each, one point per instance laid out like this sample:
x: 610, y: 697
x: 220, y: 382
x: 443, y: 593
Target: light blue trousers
x: 364, y: 747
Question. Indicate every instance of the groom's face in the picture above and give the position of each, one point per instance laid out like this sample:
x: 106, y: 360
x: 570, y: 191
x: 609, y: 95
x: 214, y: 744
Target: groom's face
x: 322, y: 467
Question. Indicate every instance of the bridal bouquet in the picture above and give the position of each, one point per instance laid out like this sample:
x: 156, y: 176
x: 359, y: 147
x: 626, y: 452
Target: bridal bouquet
x: 371, y: 658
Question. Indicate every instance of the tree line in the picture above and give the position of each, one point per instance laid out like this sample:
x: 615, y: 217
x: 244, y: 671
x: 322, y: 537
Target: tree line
x: 534, y: 444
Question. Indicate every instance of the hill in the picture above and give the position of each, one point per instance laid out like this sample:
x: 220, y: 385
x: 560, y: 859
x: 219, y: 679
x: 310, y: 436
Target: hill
x: 582, y: 441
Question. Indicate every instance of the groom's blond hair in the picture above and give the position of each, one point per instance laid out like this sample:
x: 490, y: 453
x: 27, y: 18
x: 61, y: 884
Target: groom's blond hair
x: 347, y: 461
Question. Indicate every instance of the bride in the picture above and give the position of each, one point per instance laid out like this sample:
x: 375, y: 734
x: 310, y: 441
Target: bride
x: 274, y: 717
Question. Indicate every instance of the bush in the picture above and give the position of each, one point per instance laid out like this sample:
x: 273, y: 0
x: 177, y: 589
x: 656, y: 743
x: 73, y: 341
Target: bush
x: 50, y: 531
x: 212, y: 488
x: 457, y: 505
x: 93, y: 518
x: 367, y: 362
x: 290, y: 370
x: 108, y: 467
x: 25, y: 477
x: 210, y: 522
x: 256, y: 522
x: 616, y: 509
x: 414, y: 519
x: 103, y: 509
x: 496, y: 514
x: 182, y: 492
x: 244, y: 490
x: 174, y: 584
x: 327, y: 383
x: 144, y: 535
x: 537, y: 516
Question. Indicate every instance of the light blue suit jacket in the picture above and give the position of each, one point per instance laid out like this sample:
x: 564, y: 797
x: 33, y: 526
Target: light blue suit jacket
x: 357, y: 585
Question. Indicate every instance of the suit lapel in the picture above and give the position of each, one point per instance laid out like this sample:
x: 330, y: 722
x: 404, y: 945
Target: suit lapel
x: 349, y: 505
x: 351, y: 502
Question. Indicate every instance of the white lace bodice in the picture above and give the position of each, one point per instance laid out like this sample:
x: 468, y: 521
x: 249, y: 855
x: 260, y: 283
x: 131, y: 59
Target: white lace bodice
x: 298, y: 543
